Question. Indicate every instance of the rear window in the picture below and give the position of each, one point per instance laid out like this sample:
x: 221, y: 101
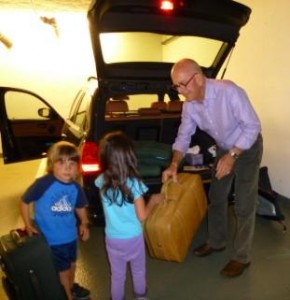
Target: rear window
x: 143, y: 106
x: 136, y: 102
x: 154, y: 47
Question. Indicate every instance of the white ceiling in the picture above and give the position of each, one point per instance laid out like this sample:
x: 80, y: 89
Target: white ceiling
x: 46, y: 5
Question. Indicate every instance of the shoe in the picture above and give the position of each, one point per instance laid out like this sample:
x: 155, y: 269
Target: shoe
x: 234, y: 269
x: 205, y: 250
x: 79, y: 292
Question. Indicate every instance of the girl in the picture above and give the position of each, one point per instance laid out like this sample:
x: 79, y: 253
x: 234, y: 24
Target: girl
x: 122, y: 191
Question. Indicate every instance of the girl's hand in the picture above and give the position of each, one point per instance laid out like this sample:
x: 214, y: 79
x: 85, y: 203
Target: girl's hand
x: 157, y: 198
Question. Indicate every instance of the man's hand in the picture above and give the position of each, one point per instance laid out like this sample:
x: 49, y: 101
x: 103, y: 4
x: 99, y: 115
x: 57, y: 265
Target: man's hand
x: 224, y: 166
x: 170, y: 172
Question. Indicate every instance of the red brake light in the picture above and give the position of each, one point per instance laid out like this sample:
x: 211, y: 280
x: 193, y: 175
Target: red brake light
x: 166, y: 5
x: 89, y: 158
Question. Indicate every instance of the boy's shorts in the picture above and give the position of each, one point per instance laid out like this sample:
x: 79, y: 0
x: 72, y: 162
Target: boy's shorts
x: 64, y: 255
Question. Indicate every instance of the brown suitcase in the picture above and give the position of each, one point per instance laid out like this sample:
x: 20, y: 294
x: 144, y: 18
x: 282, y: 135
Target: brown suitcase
x: 173, y: 223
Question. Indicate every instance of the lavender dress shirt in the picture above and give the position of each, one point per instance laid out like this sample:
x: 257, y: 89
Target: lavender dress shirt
x: 226, y: 114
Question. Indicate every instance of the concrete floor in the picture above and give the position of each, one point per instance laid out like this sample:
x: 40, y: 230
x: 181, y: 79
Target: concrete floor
x: 194, y: 279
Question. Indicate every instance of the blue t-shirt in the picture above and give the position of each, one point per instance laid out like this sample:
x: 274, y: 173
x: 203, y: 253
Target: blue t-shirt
x: 54, y: 208
x: 122, y: 221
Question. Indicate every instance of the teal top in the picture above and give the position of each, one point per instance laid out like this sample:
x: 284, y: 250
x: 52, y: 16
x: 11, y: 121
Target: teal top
x: 122, y: 221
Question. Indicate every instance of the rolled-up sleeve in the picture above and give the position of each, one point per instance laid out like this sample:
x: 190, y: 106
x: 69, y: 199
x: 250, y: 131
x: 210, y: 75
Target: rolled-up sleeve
x: 249, y: 123
x: 186, y: 129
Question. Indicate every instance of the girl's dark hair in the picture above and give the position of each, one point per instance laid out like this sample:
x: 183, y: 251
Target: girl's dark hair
x: 118, y: 162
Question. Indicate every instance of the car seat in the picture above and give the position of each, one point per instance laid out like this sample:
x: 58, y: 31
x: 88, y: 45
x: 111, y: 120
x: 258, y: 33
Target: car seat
x: 174, y: 106
x: 116, y: 106
x: 161, y: 105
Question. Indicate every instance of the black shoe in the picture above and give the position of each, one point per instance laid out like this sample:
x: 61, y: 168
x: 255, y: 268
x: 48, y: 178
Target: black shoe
x: 79, y: 292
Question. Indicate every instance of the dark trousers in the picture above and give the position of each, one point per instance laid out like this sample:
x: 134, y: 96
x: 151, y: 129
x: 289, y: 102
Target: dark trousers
x: 245, y: 178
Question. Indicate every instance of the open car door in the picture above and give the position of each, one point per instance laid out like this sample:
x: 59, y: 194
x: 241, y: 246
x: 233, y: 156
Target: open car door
x: 28, y: 125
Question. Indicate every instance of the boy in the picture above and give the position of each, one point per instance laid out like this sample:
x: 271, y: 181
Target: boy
x: 58, y: 199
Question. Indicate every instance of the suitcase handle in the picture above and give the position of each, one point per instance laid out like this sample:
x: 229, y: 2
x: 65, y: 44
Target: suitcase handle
x: 17, y: 235
x: 164, y: 188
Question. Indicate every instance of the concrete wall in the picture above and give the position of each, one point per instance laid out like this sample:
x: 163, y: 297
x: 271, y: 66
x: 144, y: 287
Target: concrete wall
x: 260, y: 64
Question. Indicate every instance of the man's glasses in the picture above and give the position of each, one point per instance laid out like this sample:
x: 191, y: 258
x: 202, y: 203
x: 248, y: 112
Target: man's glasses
x: 183, y: 85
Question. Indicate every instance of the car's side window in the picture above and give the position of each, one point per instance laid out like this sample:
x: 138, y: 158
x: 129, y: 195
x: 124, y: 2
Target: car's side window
x: 79, y: 111
x: 23, y: 106
x: 75, y: 105
x: 31, y: 125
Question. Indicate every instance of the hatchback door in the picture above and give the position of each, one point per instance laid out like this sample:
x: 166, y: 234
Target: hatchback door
x: 141, y: 39
x: 28, y: 125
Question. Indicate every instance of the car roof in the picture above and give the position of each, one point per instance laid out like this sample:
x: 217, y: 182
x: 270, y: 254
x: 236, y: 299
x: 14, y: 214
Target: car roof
x: 215, y: 20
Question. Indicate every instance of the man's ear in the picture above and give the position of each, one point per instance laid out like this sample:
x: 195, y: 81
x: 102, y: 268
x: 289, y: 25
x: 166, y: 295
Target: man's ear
x: 200, y: 80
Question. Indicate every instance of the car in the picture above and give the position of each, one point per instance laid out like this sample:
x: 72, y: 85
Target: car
x: 135, y: 43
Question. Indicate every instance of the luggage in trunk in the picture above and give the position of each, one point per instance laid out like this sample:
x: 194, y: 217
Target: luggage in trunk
x: 153, y: 157
x: 28, y: 267
x: 173, y: 223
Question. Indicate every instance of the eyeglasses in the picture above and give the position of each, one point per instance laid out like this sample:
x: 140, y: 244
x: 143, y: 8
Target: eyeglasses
x: 183, y: 85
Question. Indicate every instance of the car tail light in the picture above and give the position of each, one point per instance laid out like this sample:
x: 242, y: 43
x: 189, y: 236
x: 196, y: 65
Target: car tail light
x: 89, y: 158
x: 166, y: 5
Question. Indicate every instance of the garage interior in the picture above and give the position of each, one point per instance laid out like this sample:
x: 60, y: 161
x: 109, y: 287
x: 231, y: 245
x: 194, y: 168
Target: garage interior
x: 257, y: 69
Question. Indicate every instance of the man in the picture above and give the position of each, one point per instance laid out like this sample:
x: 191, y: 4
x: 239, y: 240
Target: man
x: 223, y: 110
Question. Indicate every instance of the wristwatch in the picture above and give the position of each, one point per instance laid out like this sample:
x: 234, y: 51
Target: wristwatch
x: 234, y: 155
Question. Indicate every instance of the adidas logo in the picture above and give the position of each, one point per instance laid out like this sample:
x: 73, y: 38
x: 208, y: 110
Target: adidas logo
x: 63, y: 205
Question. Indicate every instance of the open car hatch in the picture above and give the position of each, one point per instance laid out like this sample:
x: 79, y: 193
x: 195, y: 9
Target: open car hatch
x: 137, y: 39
